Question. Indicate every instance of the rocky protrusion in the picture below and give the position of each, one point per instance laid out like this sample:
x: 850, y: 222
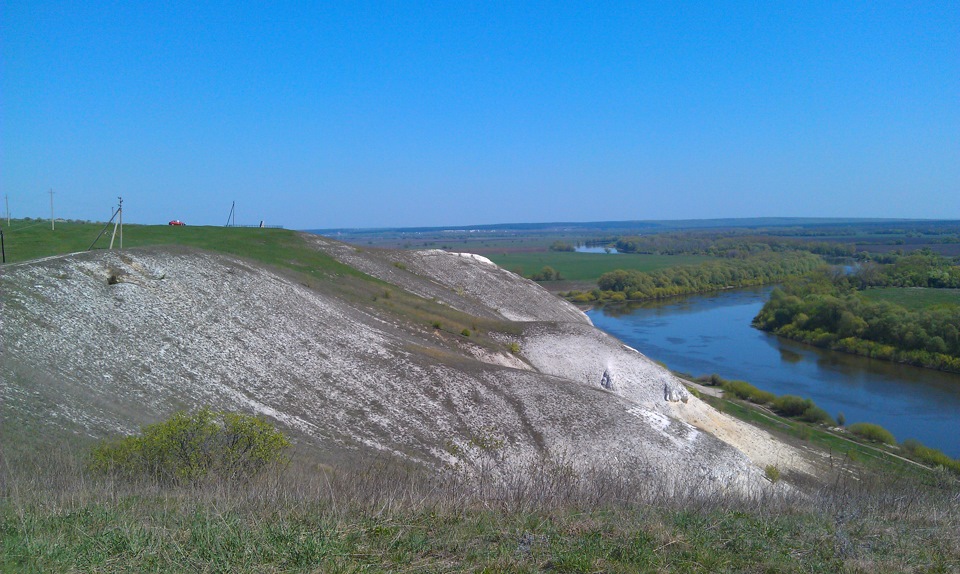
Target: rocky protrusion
x: 674, y: 392
x: 606, y: 381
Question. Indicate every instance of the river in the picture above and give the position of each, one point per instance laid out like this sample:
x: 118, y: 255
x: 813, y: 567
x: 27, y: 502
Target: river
x: 705, y: 334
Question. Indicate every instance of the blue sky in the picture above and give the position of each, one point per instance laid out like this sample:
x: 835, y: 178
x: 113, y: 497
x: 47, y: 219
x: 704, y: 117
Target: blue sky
x: 349, y: 114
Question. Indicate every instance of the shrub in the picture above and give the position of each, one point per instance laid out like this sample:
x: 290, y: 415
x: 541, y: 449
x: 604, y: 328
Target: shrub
x: 772, y: 472
x: 465, y: 332
x: 762, y: 397
x: 841, y: 419
x: 547, y: 274
x: 514, y: 348
x: 746, y: 391
x: 791, y: 406
x: 815, y: 414
x: 189, y: 448
x: 714, y: 380
x: 872, y: 433
x: 436, y: 324
x: 739, y: 389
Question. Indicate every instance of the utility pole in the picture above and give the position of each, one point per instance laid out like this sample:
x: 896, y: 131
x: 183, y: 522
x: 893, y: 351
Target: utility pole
x: 52, y: 226
x: 6, y: 199
x: 113, y: 214
x: 232, y: 216
x: 118, y: 223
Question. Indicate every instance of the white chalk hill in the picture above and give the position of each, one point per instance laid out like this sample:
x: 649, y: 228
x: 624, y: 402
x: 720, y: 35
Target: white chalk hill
x: 98, y: 344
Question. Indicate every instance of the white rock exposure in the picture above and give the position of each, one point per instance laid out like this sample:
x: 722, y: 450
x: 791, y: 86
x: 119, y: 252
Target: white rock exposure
x: 102, y: 343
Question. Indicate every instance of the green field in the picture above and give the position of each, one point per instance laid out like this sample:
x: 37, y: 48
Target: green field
x: 914, y: 298
x: 26, y: 240
x: 589, y: 266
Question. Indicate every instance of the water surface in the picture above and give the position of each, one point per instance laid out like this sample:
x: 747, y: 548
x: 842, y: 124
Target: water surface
x: 602, y: 250
x: 705, y: 334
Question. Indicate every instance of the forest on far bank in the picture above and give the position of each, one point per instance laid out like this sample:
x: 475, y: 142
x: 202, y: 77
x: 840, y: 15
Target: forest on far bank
x: 835, y: 310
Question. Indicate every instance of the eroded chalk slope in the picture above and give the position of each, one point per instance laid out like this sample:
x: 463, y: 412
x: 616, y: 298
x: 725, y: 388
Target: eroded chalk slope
x: 102, y: 343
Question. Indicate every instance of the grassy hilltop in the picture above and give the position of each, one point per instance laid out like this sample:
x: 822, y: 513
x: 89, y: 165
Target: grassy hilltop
x: 26, y: 240
x: 868, y: 510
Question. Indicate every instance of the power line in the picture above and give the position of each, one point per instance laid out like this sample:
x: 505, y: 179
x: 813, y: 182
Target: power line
x: 116, y: 214
x: 119, y: 223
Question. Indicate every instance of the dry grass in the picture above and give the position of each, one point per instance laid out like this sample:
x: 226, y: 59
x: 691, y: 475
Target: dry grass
x: 545, y: 516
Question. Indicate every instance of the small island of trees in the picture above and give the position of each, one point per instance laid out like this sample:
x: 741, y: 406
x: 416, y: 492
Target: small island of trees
x: 835, y: 310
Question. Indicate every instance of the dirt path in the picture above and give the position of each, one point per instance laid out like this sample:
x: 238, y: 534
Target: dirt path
x: 704, y: 389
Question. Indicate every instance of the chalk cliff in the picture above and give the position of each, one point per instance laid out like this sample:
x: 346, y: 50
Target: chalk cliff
x: 98, y: 344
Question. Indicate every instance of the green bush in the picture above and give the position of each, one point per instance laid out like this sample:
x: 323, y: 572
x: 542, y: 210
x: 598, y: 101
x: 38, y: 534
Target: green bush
x: 465, y: 332
x: 872, y: 432
x: 791, y: 406
x: 815, y: 414
x: 748, y: 392
x: 739, y: 389
x: 547, y: 274
x: 772, y: 473
x: 189, y: 448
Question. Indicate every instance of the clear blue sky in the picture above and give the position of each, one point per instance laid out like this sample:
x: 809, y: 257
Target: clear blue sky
x: 349, y: 114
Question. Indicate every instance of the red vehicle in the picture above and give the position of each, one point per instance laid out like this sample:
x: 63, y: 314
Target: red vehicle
x: 177, y: 222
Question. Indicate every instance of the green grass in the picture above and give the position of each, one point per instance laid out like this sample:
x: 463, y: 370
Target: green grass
x: 26, y: 240
x: 914, y: 298
x: 590, y: 266
x: 848, y: 527
x: 124, y: 537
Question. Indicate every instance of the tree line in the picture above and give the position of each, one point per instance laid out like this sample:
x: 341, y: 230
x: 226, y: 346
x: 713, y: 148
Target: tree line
x: 921, y: 268
x: 764, y: 268
x: 828, y: 309
x: 728, y: 245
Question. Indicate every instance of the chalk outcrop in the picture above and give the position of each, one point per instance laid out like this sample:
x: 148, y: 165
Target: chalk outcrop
x: 98, y: 344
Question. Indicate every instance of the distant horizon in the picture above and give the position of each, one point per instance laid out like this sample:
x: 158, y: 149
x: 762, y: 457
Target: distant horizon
x: 762, y: 221
x: 137, y: 219
x: 786, y: 219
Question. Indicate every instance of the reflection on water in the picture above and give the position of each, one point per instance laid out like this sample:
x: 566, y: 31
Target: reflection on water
x: 789, y: 356
x: 712, y: 334
x: 605, y: 250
